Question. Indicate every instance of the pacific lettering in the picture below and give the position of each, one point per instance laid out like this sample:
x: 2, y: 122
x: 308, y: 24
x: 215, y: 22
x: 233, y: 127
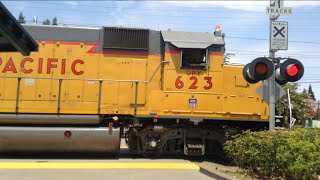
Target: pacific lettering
x: 24, y: 70
x: 73, y: 67
x: 9, y: 66
x: 28, y: 65
x: 40, y: 66
x: 50, y: 65
x: 63, y: 66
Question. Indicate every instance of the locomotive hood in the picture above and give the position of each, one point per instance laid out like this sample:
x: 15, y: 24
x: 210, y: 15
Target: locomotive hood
x: 192, y: 39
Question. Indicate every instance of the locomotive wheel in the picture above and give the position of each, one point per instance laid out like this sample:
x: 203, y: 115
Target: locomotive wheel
x: 132, y: 142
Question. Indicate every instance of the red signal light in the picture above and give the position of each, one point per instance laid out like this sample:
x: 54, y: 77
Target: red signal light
x: 292, y: 70
x: 261, y: 68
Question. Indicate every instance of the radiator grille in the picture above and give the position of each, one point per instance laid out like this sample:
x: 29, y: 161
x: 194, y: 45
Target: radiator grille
x: 120, y: 38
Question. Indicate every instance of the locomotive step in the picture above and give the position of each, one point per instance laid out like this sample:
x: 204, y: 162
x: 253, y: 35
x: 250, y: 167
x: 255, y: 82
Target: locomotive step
x: 194, y: 149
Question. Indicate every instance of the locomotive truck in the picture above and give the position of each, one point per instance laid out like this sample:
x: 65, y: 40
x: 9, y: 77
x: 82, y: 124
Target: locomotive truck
x: 87, y: 88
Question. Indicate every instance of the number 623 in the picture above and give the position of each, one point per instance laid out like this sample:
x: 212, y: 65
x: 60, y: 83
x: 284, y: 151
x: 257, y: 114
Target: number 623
x: 180, y: 84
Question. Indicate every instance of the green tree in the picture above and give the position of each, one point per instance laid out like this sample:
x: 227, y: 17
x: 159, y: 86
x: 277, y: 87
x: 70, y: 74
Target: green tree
x: 301, y: 109
x: 21, y: 18
x: 54, y: 21
x: 311, y: 93
x: 46, y: 22
x: 304, y: 90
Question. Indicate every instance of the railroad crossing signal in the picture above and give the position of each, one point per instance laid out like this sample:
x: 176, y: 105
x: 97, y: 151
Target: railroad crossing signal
x: 259, y: 69
x: 291, y: 70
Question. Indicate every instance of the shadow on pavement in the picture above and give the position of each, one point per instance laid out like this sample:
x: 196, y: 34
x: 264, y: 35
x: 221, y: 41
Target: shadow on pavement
x: 99, y: 156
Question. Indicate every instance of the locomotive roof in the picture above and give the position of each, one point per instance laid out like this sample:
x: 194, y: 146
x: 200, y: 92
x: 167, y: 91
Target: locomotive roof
x: 179, y: 39
x: 62, y: 33
x: 191, y: 39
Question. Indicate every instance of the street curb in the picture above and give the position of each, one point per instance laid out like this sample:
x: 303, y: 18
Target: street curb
x: 216, y: 174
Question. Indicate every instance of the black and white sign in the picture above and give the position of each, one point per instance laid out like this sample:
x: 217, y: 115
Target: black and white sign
x: 276, y: 8
x: 279, y: 11
x: 279, y: 35
x: 276, y: 3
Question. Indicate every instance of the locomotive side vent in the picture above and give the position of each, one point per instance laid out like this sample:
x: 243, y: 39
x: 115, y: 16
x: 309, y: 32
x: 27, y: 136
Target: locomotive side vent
x: 121, y: 38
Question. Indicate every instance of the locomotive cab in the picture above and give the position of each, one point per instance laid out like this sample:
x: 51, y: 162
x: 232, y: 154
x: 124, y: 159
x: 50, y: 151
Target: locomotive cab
x: 193, y: 58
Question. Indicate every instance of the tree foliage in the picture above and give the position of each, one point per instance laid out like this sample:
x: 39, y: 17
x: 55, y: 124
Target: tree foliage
x: 46, y: 22
x: 55, y: 21
x: 286, y: 154
x: 21, y: 18
x: 301, y: 109
x: 311, y: 93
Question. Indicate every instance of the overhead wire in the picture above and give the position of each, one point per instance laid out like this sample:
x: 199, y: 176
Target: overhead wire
x: 189, y: 24
x: 160, y: 15
x: 227, y: 37
x: 259, y: 52
x: 265, y: 39
x: 179, y: 10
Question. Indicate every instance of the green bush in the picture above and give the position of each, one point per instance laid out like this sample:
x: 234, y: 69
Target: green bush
x: 289, y: 154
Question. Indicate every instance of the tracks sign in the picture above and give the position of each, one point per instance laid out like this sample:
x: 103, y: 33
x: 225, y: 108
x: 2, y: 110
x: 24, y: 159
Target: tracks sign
x: 279, y: 35
x: 276, y: 8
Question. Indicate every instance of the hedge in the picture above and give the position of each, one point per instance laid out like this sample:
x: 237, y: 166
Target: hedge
x: 279, y: 154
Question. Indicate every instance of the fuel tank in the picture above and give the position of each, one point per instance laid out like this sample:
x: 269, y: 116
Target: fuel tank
x: 60, y: 139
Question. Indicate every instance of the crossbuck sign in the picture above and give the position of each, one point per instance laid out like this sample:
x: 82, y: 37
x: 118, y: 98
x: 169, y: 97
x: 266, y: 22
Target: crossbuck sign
x: 279, y: 35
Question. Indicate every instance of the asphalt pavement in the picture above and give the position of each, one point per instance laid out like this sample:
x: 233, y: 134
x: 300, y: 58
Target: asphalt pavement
x: 96, y: 167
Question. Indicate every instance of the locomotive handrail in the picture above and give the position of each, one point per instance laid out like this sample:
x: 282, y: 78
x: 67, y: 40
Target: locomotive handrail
x: 81, y: 79
x: 19, y: 78
x: 157, y: 70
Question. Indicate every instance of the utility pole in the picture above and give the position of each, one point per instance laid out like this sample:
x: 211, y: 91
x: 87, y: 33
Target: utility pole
x: 271, y: 82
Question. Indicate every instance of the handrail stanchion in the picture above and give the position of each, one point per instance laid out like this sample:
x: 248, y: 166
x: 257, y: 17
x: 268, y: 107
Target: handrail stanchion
x: 99, y: 96
x: 136, y: 98
x: 18, y: 94
x: 59, y: 95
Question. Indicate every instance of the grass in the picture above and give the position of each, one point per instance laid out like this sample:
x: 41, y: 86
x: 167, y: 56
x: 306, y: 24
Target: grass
x: 237, y: 174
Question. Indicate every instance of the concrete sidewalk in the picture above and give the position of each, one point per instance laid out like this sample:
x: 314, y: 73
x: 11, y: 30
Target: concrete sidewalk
x: 211, y: 169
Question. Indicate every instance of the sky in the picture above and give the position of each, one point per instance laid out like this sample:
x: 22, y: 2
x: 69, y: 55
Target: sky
x: 245, y: 24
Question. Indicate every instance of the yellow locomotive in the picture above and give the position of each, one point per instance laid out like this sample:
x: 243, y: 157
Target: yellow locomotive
x: 163, y: 91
